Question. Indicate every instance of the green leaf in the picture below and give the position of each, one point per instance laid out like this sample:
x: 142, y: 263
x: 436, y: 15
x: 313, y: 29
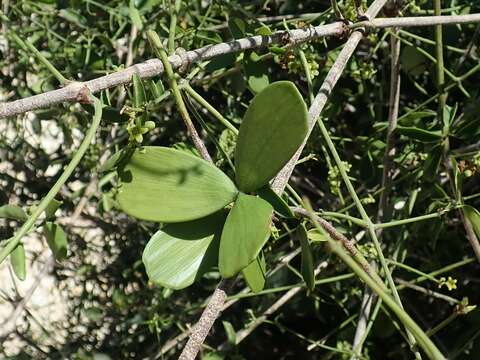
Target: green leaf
x: 167, y: 185
x: 449, y: 113
x: 237, y: 27
x: 180, y: 253
x: 156, y: 88
x: 419, y: 134
x: 256, y: 71
x: 279, y: 204
x: 263, y: 30
x: 117, y: 159
x: 473, y: 215
x: 307, y: 258
x: 413, y: 61
x: 273, y: 128
x: 17, y: 259
x: 432, y: 163
x: 139, y: 95
x: 135, y: 15
x: 74, y: 17
x: 316, y: 236
x: 139, y: 98
x: 230, y: 331
x: 457, y: 176
x: 52, y: 208
x: 246, y: 231
x: 56, y: 239
x: 12, y: 212
x: 111, y: 115
x: 254, y: 274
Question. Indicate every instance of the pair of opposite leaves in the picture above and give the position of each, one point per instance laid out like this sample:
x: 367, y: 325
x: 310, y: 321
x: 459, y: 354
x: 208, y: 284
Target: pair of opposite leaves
x: 190, y: 194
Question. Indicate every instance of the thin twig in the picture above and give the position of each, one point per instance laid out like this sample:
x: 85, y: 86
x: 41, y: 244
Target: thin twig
x: 418, y: 21
x: 428, y: 292
x: 154, y: 67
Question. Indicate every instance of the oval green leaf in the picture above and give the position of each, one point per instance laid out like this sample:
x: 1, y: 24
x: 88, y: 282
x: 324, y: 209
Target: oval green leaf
x: 56, y: 240
x: 273, y: 128
x: 245, y: 232
x: 419, y: 134
x: 180, y: 253
x: 473, y: 215
x: 17, y: 259
x: 167, y: 185
x: 254, y: 274
x: 52, y: 207
x: 12, y: 212
x: 139, y: 95
x: 316, y: 236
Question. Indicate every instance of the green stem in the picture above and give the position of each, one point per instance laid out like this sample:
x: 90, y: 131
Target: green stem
x: 289, y: 287
x: 442, y: 324
x: 58, y: 184
x: 198, y: 98
x: 440, y: 271
x: 413, y: 270
x: 173, y: 26
x: 337, y: 215
x: 427, y: 345
x: 364, y: 215
x: 308, y: 74
x: 26, y: 45
x: 160, y: 52
x: 450, y: 86
x: 440, y: 64
x: 431, y: 42
x: 410, y: 220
